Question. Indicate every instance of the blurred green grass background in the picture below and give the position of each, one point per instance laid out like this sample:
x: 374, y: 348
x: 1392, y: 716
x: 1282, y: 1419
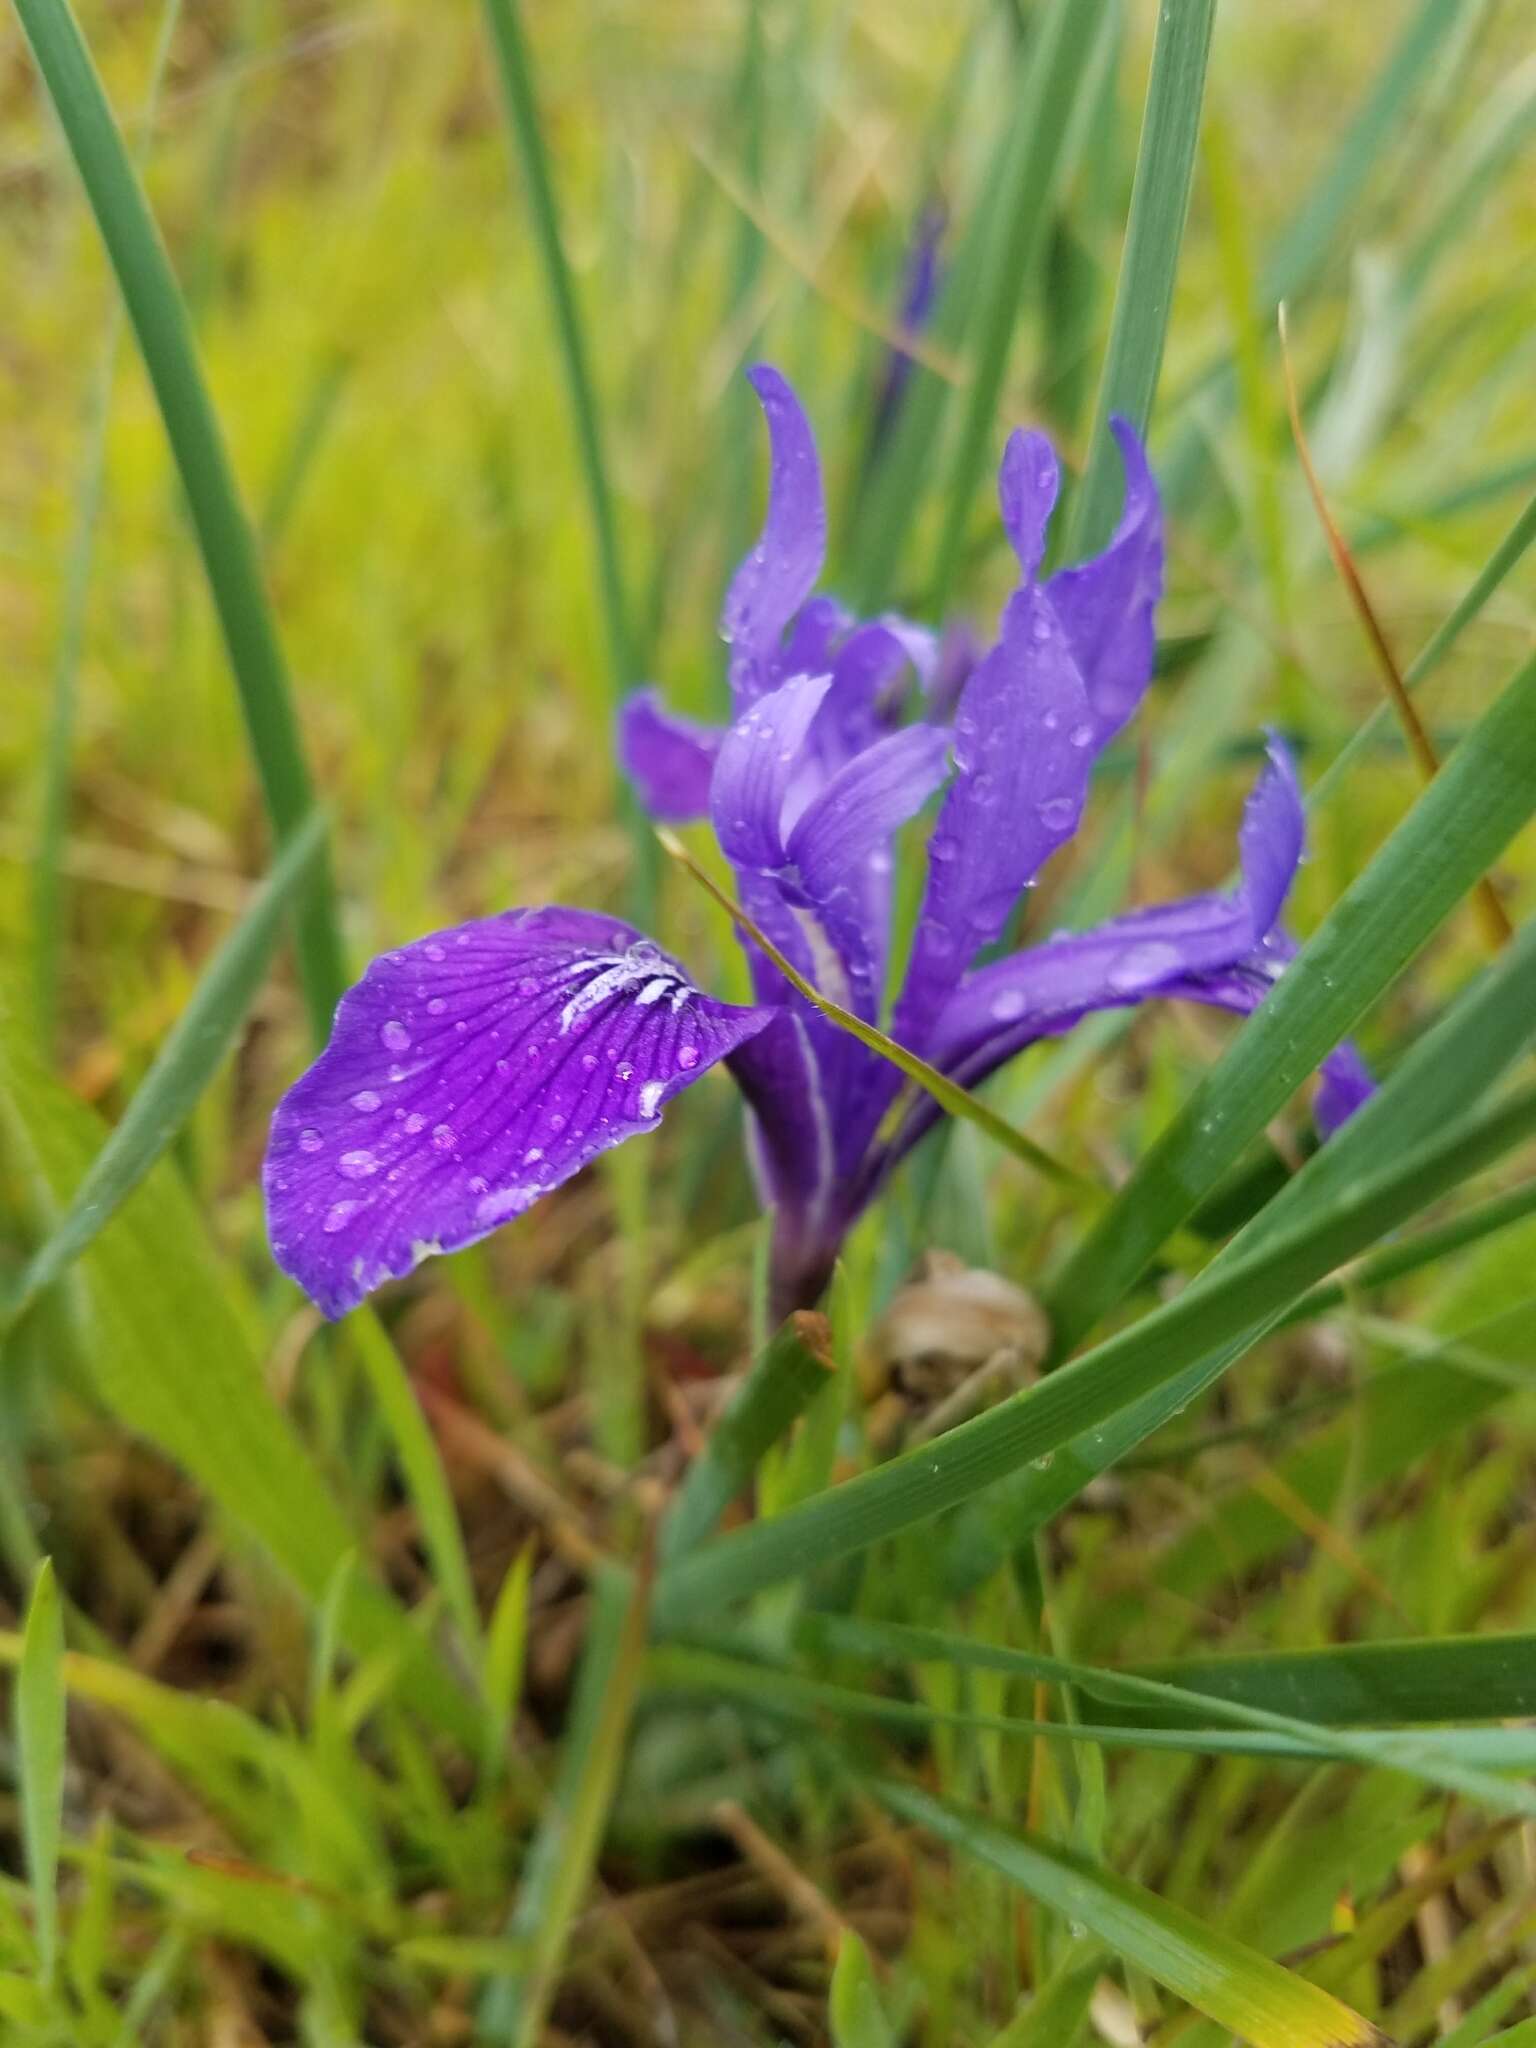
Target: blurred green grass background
x: 282, y: 1820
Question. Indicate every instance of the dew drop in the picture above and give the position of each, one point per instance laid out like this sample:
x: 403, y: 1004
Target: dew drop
x: 394, y: 1035
x: 357, y: 1165
x: 310, y: 1140
x: 414, y: 1122
x: 533, y: 1155
x: 589, y: 1060
x: 1081, y: 735
x: 338, y: 1216
x: 1008, y: 1007
x: 366, y: 1101
x: 624, y: 1071
x: 478, y: 1184
x: 1051, y: 720
x: 1057, y: 813
x: 443, y: 1137
x: 688, y: 1056
x: 436, y: 1007
x: 435, y: 952
x: 1142, y: 966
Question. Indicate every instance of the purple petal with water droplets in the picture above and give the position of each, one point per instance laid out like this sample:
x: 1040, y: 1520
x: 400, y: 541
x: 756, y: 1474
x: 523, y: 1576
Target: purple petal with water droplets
x: 781, y: 571
x: 760, y: 758
x: 839, y: 850
x: 1106, y: 605
x: 1022, y: 754
x: 1027, y: 484
x: 467, y: 1075
x: 669, y: 759
x: 1272, y: 837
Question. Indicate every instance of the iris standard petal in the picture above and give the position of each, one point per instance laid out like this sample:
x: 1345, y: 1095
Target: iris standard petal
x: 1023, y: 753
x: 760, y: 759
x: 1027, y: 484
x: 839, y: 850
x: 1106, y: 605
x: 668, y: 759
x: 781, y: 571
x: 1272, y: 837
x: 469, y: 1073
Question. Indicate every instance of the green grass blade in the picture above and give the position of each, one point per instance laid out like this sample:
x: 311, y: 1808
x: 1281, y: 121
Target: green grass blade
x: 1059, y: 63
x: 853, y: 2003
x: 1239, y: 1298
x: 183, y: 1068
x: 426, y: 1483
x: 40, y: 1758
x: 1235, y: 1985
x: 781, y: 1384
x: 159, y: 318
x: 53, y: 809
x: 1505, y: 556
x: 514, y: 70
x: 559, y: 1867
x: 1455, y: 832
x: 1165, y: 169
x: 1444, y: 1678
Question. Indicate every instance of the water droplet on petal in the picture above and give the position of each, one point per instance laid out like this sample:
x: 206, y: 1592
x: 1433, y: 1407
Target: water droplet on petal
x: 1144, y: 965
x: 338, y: 1216
x: 443, y: 1137
x: 1057, y: 813
x: 357, y: 1165
x: 414, y: 1123
x: 435, y: 952
x: 688, y: 1056
x: 436, y: 1007
x: 533, y: 1155
x: 310, y: 1140
x: 1008, y: 1007
x: 624, y: 1071
x: 394, y: 1035
x: 366, y: 1101
x: 1081, y: 735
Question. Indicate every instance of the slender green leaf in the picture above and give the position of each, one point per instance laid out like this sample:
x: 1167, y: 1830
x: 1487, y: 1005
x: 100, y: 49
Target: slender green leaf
x: 53, y: 810
x: 1165, y: 168
x: 40, y: 1758
x: 182, y: 1069
x: 559, y: 1866
x: 853, y: 2005
x: 159, y: 319
x: 1234, y: 1985
x: 515, y: 72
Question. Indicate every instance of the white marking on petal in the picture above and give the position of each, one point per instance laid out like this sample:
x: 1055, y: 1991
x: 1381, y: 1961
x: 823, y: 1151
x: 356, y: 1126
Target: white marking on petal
x: 650, y: 1098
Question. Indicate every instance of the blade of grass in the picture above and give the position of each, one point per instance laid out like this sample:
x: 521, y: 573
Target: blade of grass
x: 40, y: 1759
x: 559, y: 1866
x: 182, y: 1069
x: 1165, y: 168
x: 53, y: 810
x: 1443, y: 1678
x: 1452, y: 836
x: 1504, y: 558
x: 514, y: 70
x: 159, y: 317
x: 426, y: 1483
x: 1060, y: 49
x: 948, y: 1094
x: 1494, y: 916
x: 1235, y: 1985
x: 1243, y: 1296
x: 781, y: 1384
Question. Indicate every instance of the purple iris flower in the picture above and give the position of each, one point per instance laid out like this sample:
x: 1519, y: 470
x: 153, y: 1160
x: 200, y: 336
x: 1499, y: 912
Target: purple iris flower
x: 471, y: 1072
